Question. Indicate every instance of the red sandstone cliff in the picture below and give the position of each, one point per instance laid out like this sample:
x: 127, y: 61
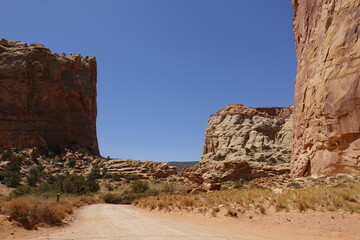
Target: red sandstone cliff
x: 326, y: 137
x: 46, y: 99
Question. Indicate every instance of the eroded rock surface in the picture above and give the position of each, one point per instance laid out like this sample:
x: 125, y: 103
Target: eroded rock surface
x: 75, y: 162
x: 46, y: 99
x: 244, y: 142
x: 327, y: 89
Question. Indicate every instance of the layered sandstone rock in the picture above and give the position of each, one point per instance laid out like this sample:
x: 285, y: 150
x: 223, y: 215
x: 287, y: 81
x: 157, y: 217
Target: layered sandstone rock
x: 243, y: 142
x: 144, y: 169
x: 46, y: 100
x: 82, y: 163
x: 327, y: 89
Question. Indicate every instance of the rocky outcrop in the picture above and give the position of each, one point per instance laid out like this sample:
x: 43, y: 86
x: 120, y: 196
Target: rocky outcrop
x: 75, y: 162
x: 327, y: 90
x: 244, y: 142
x: 143, y: 169
x: 46, y: 100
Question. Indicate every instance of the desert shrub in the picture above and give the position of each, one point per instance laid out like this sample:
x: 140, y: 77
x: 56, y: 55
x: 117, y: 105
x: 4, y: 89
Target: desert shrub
x: 34, y: 154
x: 272, y: 160
x: 266, y: 147
x: 253, y: 148
x: 124, y: 198
x: 132, y: 177
x: 294, y: 184
x: 168, y: 188
x: 21, y: 190
x: 109, y: 187
x: 139, y: 186
x: 71, y: 163
x: 11, y: 175
x: 34, y: 176
x: 231, y: 213
x: 72, y: 184
x: 239, y: 183
x: 116, y: 176
x: 127, y: 197
x: 32, y: 212
x: 108, y: 158
x: 247, y: 150
x: 95, y: 173
x: 50, y: 154
x: 17, y: 149
x: 6, y: 155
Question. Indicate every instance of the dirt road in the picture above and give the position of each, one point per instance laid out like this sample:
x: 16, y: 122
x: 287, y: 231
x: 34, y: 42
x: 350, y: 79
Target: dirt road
x: 103, y: 221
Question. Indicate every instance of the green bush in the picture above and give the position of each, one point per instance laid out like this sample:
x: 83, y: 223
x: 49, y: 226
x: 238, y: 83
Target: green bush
x: 240, y: 183
x: 34, y: 176
x: 6, y: 155
x: 72, y: 184
x: 126, y: 197
x: 34, y: 154
x: 72, y: 163
x: 132, y: 177
x: 139, y: 187
x: 21, y: 190
x: 95, y: 173
x: 109, y: 187
x: 253, y: 148
x: 116, y: 176
x: 266, y: 147
x: 11, y: 175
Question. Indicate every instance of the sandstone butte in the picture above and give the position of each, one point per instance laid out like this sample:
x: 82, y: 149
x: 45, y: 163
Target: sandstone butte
x: 244, y: 142
x: 326, y: 135
x: 47, y: 100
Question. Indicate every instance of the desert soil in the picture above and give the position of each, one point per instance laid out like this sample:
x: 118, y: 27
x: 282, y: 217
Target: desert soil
x: 104, y: 221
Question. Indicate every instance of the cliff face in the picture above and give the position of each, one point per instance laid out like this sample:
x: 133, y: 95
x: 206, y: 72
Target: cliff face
x: 245, y: 142
x: 326, y: 136
x: 46, y: 99
x: 236, y: 129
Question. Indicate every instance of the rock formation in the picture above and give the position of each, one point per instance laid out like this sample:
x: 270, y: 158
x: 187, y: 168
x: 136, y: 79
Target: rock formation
x: 46, y: 100
x: 244, y: 142
x: 144, y: 169
x: 327, y: 89
x: 82, y: 162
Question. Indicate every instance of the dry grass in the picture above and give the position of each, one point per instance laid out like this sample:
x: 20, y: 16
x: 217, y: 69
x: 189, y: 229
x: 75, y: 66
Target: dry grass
x: 241, y: 200
x: 33, y: 211
x: 324, y: 198
x: 344, y: 197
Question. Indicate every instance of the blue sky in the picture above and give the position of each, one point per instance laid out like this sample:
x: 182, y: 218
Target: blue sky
x: 165, y: 65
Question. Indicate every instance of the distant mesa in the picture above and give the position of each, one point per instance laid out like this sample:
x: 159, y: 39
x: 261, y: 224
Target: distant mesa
x: 47, y: 100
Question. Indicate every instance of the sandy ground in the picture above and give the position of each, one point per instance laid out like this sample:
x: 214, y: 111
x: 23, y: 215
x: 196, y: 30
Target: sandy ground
x: 104, y: 221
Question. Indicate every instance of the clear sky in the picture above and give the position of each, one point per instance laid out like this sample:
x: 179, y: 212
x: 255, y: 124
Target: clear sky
x: 165, y: 65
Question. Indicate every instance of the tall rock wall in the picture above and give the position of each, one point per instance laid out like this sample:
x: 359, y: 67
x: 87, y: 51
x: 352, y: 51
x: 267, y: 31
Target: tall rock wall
x: 326, y: 136
x: 244, y: 142
x: 46, y: 99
